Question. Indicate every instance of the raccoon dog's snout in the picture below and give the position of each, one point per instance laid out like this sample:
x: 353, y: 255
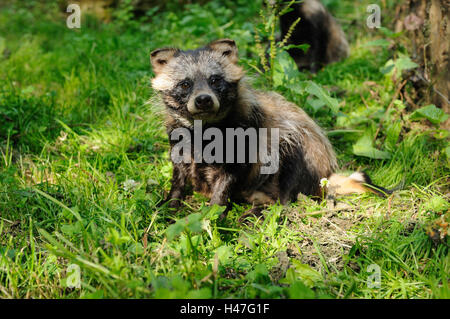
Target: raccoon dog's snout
x: 204, y: 102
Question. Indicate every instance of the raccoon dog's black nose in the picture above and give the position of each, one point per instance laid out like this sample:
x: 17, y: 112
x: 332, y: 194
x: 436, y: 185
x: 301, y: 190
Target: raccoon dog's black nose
x: 203, y: 102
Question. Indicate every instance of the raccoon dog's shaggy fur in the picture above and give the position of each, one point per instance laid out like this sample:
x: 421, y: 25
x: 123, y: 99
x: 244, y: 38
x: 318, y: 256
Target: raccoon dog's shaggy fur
x: 318, y: 29
x: 208, y: 84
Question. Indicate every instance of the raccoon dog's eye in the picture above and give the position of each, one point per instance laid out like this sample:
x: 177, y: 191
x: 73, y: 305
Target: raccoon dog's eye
x: 185, y: 85
x: 215, y: 81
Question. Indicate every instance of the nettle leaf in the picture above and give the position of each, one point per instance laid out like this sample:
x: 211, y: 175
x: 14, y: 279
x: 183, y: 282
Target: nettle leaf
x: 388, y: 68
x: 194, y: 223
x: 316, y: 90
x: 290, y: 277
x: 176, y: 229
x: 364, y: 147
x: 212, y: 212
x: 316, y: 104
x: 285, y: 70
x: 259, y: 274
x: 431, y: 113
x: 224, y: 253
x: 404, y: 62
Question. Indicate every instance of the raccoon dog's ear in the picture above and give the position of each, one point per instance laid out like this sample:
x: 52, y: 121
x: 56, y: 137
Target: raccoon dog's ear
x: 226, y: 47
x: 160, y: 57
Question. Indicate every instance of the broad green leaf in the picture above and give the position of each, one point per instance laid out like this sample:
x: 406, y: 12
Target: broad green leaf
x: 392, y: 134
x: 297, y: 87
x: 212, y: 212
x: 364, y: 147
x: 405, y: 63
x: 259, y: 274
x: 298, y: 290
x: 176, y: 229
x: 224, y: 253
x: 71, y: 229
x: 316, y: 104
x: 399, y: 65
x: 431, y: 113
x: 306, y: 274
x: 194, y: 223
x: 316, y: 90
x: 290, y: 277
x: 388, y: 67
x: 285, y: 70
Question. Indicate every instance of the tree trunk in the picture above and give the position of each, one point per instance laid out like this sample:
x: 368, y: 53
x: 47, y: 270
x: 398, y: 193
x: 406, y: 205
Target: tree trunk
x: 426, y: 22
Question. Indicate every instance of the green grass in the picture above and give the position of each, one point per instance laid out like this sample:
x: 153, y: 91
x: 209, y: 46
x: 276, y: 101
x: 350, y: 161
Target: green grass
x: 84, y: 163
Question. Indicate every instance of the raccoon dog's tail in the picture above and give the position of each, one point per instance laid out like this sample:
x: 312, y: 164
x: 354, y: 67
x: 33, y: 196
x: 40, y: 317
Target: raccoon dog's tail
x: 358, y: 182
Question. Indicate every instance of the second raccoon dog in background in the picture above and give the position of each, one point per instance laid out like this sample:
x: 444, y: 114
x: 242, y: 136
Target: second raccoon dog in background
x: 208, y: 84
x: 319, y: 29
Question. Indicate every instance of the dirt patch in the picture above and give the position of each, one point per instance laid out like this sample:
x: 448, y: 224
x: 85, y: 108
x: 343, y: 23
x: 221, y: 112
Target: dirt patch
x: 326, y: 238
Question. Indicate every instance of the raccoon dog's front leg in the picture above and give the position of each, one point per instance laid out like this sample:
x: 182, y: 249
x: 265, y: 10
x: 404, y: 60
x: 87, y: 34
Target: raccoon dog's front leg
x: 221, y: 190
x: 177, y: 191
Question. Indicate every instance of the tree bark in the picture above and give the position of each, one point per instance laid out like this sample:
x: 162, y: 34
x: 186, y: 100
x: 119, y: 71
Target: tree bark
x: 426, y: 22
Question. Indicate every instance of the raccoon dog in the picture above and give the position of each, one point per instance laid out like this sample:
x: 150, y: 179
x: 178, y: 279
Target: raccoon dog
x: 317, y: 28
x: 207, y: 84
